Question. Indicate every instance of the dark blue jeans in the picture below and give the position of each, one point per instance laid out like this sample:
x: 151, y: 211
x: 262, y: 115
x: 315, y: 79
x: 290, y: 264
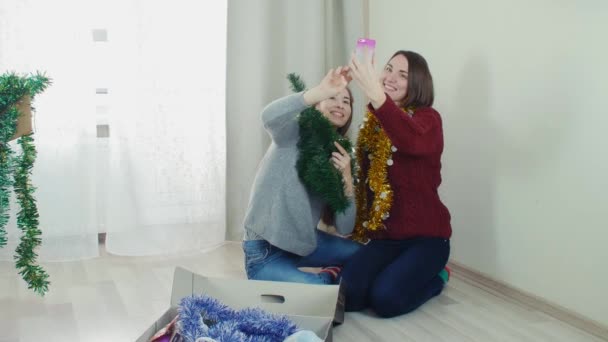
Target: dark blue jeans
x: 395, y: 277
x: 264, y: 261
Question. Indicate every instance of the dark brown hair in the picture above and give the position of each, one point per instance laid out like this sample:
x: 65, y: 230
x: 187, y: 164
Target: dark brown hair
x: 420, y: 91
x: 327, y: 216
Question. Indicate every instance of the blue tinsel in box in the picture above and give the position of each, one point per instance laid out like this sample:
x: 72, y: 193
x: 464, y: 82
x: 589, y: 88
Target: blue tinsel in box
x: 203, y: 316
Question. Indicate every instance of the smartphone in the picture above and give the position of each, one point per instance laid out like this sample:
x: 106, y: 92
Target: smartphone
x: 365, y: 49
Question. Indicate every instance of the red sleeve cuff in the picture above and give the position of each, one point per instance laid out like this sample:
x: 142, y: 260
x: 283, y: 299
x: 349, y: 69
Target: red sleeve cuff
x: 389, y: 106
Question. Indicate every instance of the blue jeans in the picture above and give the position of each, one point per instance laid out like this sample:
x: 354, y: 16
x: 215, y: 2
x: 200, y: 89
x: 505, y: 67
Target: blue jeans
x: 264, y: 261
x: 394, y: 277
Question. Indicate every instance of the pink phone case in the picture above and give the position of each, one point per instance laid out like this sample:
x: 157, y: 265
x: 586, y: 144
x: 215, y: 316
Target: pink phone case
x: 365, y: 48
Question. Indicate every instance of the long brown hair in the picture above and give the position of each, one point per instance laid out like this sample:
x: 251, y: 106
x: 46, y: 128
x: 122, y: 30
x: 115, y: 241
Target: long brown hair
x: 328, y: 216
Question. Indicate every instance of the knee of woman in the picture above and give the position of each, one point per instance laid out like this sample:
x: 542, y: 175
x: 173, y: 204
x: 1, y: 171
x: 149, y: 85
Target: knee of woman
x: 382, y: 305
x: 386, y: 304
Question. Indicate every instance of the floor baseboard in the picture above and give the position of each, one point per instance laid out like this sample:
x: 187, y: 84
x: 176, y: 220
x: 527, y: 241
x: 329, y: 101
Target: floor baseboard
x: 501, y: 289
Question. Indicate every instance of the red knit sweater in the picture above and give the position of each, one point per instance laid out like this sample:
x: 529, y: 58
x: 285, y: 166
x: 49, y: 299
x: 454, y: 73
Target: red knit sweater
x: 415, y: 174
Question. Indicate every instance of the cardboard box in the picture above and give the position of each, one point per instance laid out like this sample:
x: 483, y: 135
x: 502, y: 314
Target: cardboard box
x: 310, y: 307
x: 24, y: 122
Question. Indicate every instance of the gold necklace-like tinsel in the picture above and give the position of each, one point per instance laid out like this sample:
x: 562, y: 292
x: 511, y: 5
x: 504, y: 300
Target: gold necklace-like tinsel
x: 374, y: 144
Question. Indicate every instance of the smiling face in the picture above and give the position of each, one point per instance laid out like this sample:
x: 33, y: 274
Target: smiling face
x: 394, y: 78
x: 337, y: 109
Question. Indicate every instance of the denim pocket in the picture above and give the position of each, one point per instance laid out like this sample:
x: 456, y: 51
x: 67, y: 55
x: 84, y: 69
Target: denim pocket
x: 256, y: 251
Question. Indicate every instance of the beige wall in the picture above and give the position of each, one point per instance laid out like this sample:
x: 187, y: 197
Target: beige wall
x: 522, y: 88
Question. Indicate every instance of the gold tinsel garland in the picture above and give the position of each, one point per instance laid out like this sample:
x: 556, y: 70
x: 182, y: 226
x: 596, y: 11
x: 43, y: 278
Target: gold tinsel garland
x: 374, y: 144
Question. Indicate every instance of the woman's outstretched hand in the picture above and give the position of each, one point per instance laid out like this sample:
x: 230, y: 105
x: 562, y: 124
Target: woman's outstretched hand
x: 332, y: 84
x: 366, y: 77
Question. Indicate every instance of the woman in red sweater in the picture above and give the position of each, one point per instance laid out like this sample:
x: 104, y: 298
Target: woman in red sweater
x: 399, y: 212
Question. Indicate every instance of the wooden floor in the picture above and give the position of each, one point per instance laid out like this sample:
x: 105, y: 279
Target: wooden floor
x: 115, y: 298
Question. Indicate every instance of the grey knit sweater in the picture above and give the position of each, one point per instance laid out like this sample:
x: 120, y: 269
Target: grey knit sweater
x: 281, y: 210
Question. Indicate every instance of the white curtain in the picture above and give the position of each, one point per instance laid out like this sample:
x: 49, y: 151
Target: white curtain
x: 267, y: 39
x: 148, y: 78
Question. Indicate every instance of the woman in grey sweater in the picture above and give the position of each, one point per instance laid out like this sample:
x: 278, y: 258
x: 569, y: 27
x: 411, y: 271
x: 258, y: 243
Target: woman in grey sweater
x: 281, y: 221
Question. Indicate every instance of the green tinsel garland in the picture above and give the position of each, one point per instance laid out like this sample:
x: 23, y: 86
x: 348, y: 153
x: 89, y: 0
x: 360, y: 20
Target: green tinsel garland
x: 8, y: 121
x: 12, y: 89
x: 315, y: 146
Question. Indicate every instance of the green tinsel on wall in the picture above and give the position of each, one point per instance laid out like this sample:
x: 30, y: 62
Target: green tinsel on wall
x: 15, y: 172
x: 315, y: 146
